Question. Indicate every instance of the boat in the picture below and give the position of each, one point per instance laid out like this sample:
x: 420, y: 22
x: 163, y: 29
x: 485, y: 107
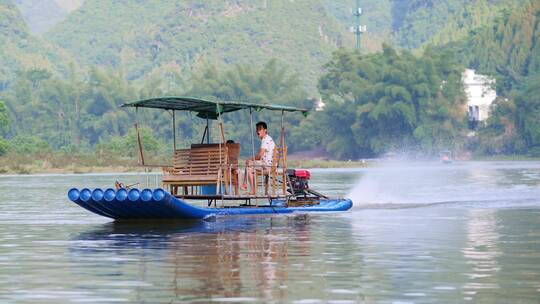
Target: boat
x: 159, y: 204
x: 445, y: 156
x: 203, y: 180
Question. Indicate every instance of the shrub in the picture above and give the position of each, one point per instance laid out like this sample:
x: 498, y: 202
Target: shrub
x: 27, y: 144
x: 128, y: 146
x: 4, y: 146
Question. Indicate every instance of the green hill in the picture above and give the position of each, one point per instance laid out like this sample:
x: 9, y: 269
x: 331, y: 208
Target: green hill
x: 413, y: 23
x: 135, y: 49
x: 20, y: 51
x: 376, y: 15
x: 139, y: 37
x: 508, y: 48
x: 470, y: 16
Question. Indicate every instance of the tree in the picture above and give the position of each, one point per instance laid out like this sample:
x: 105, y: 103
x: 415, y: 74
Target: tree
x: 506, y: 48
x: 527, y: 115
x: 273, y: 83
x: 4, y: 125
x: 391, y: 101
x: 4, y: 119
x: 499, y: 135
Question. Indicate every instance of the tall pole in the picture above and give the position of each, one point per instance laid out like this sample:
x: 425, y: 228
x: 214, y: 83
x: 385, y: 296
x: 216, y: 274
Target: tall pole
x: 357, y: 13
x: 358, y: 28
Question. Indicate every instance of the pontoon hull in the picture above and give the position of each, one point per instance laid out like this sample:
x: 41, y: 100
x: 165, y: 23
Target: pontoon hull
x: 159, y: 204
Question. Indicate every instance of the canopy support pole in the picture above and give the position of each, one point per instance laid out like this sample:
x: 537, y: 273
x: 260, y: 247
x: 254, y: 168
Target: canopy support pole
x: 251, y: 129
x: 283, y: 156
x: 282, y: 135
x: 140, y: 160
x: 208, y: 129
x: 139, y: 143
x: 253, y: 153
x: 204, y: 134
x: 224, y: 177
x: 174, y: 130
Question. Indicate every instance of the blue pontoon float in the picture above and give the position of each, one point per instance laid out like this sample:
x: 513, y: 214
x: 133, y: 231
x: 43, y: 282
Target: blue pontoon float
x: 209, y: 172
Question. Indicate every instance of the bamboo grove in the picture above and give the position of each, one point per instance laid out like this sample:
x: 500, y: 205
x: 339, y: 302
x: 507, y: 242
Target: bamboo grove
x: 368, y: 104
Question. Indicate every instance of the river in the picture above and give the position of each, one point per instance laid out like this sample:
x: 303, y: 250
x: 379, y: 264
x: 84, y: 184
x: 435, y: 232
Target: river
x: 418, y: 233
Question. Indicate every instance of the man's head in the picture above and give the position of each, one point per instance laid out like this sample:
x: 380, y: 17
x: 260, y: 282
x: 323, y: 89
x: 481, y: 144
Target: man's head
x: 261, y: 129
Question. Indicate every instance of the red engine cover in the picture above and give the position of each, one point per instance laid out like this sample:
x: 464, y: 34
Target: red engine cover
x: 302, y: 173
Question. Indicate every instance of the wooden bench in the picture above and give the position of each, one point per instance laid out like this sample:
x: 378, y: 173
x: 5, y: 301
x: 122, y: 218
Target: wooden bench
x: 233, y: 150
x: 205, y: 164
x: 233, y: 156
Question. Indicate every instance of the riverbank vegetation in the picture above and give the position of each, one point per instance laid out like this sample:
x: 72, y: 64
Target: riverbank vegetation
x: 68, y: 163
x: 57, y: 114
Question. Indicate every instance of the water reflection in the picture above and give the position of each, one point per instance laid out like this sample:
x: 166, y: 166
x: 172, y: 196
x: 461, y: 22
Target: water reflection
x: 231, y: 258
x: 482, y: 243
x: 481, y: 252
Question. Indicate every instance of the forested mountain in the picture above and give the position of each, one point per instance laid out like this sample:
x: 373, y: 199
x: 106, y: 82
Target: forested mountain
x: 509, y: 49
x: 470, y: 16
x: 413, y: 23
x: 402, y: 91
x: 416, y: 22
x: 139, y: 37
x: 20, y: 51
x: 376, y: 15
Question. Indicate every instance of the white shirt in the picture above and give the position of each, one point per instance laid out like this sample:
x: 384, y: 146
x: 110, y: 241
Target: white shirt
x: 267, y: 144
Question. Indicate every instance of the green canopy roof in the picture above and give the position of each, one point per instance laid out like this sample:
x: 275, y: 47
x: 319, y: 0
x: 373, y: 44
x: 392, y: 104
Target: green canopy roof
x: 205, y: 108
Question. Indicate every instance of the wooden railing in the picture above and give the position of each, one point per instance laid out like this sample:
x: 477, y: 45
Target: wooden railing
x: 201, y: 165
x: 214, y: 164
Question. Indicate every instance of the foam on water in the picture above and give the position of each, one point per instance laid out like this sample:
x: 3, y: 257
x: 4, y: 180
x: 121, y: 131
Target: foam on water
x: 421, y: 184
x: 51, y: 248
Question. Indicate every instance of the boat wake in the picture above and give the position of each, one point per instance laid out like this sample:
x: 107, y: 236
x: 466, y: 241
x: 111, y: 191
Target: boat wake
x: 488, y: 203
x: 418, y: 185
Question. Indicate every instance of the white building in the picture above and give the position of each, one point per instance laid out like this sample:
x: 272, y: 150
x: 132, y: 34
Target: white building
x: 480, y: 95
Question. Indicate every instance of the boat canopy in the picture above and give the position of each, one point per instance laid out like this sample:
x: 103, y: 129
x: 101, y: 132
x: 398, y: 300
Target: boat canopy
x: 206, y: 108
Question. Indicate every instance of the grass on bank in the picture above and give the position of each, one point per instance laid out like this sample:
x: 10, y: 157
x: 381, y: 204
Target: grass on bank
x: 64, y: 163
x: 513, y: 157
x: 78, y: 163
x: 13, y: 163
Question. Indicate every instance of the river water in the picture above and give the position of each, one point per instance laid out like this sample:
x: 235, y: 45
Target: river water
x: 418, y: 233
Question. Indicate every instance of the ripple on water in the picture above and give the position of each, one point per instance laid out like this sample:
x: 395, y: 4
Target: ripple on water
x: 467, y: 232
x: 233, y: 300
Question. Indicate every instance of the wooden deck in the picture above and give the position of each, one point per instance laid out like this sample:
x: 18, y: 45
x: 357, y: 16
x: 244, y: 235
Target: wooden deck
x: 227, y: 197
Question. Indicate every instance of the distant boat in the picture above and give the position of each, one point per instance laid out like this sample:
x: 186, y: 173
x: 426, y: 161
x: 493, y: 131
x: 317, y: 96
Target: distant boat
x: 445, y: 156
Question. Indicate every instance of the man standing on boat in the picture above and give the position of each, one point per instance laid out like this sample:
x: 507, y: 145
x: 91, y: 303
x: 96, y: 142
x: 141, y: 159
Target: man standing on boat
x: 263, y: 160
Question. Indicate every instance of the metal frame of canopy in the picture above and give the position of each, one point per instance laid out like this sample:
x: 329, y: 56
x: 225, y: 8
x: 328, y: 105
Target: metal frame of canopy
x: 205, y: 107
x: 209, y: 110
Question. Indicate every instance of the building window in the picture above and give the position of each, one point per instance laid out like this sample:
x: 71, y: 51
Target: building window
x: 474, y: 116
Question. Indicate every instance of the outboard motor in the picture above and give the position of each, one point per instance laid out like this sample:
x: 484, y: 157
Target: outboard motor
x: 298, y: 181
